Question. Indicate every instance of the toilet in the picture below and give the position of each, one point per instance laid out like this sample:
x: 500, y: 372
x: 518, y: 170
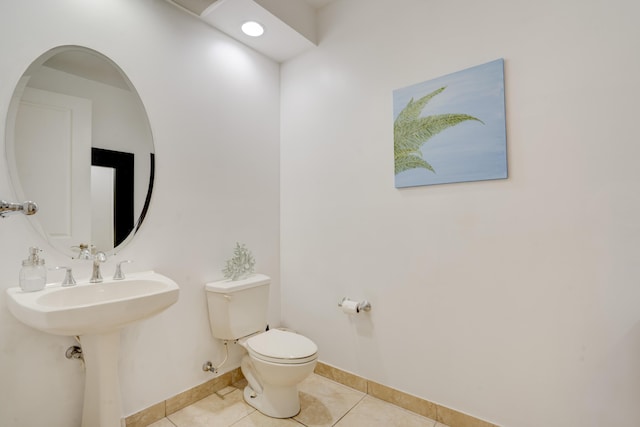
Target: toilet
x: 276, y: 360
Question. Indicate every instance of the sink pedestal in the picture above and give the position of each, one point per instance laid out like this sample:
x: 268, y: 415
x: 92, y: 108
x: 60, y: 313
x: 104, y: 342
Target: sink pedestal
x: 102, y: 401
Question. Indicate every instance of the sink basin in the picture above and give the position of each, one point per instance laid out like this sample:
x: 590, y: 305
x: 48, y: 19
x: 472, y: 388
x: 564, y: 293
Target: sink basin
x: 96, y: 312
x: 93, y: 308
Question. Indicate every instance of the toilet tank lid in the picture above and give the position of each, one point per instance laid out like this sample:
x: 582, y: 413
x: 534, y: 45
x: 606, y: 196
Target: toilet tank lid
x: 227, y: 286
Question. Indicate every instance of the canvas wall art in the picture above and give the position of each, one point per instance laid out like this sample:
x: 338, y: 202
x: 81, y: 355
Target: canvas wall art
x: 452, y: 128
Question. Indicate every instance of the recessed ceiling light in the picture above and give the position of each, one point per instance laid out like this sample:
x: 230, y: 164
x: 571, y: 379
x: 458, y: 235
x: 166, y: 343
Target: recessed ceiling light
x: 252, y: 28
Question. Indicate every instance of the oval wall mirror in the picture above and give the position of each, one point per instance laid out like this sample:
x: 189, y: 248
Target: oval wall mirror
x: 79, y: 144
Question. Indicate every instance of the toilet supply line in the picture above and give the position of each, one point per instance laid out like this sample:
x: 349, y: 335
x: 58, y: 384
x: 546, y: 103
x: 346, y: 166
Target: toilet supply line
x: 208, y: 366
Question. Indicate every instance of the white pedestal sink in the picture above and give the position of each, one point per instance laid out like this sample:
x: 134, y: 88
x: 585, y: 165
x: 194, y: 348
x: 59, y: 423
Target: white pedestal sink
x: 96, y: 312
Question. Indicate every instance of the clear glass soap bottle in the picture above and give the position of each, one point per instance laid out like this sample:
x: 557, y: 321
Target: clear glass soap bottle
x: 33, y: 275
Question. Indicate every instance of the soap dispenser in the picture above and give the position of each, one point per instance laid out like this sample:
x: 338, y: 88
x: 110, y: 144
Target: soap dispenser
x: 33, y: 275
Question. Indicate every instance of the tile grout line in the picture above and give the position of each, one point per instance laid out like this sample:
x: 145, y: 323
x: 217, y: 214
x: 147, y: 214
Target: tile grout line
x: 350, y: 409
x: 237, y: 421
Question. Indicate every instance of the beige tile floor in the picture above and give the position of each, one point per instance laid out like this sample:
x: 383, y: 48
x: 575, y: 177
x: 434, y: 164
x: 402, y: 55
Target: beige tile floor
x: 324, y: 403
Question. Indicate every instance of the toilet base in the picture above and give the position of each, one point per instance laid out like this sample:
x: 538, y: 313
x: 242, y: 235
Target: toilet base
x: 275, y: 402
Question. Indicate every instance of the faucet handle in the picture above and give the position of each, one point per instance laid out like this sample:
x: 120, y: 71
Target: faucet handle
x: 118, y: 274
x: 68, y: 277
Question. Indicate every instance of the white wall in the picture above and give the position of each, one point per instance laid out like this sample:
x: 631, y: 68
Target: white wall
x: 515, y: 301
x: 213, y: 109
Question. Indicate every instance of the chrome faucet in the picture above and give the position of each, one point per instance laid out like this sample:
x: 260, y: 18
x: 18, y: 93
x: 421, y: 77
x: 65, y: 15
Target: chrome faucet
x: 89, y: 252
x: 68, y: 277
x: 98, y: 257
x: 119, y: 275
x: 8, y: 208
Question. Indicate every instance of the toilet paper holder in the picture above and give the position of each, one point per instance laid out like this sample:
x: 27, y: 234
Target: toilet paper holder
x: 360, y: 306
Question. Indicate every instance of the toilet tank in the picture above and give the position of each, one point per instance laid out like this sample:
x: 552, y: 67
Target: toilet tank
x: 238, y: 308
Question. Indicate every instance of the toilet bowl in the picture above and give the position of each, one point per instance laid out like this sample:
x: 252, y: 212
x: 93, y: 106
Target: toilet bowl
x: 275, y: 363
x: 276, y: 360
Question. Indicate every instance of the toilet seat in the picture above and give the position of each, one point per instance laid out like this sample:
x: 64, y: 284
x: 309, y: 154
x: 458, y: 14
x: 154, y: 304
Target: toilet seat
x: 284, y: 347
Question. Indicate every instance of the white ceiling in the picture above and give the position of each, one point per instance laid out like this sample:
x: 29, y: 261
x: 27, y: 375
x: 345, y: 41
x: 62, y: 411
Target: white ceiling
x: 289, y: 24
x: 318, y: 3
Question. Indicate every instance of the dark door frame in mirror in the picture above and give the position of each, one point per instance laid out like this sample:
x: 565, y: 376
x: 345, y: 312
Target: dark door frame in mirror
x: 123, y: 165
x: 147, y: 200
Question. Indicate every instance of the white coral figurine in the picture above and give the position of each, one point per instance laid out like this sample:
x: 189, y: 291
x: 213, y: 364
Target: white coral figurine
x: 241, y: 265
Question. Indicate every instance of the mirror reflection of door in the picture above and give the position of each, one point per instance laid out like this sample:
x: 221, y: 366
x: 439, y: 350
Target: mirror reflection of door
x: 54, y: 131
x: 102, y: 203
x: 83, y: 205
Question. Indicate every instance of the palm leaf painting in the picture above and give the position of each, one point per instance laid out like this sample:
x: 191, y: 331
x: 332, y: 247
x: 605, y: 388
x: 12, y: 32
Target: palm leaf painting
x: 411, y: 132
x: 425, y: 112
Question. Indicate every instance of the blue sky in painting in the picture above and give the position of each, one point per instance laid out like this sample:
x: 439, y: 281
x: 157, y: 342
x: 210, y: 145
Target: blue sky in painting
x: 469, y: 151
